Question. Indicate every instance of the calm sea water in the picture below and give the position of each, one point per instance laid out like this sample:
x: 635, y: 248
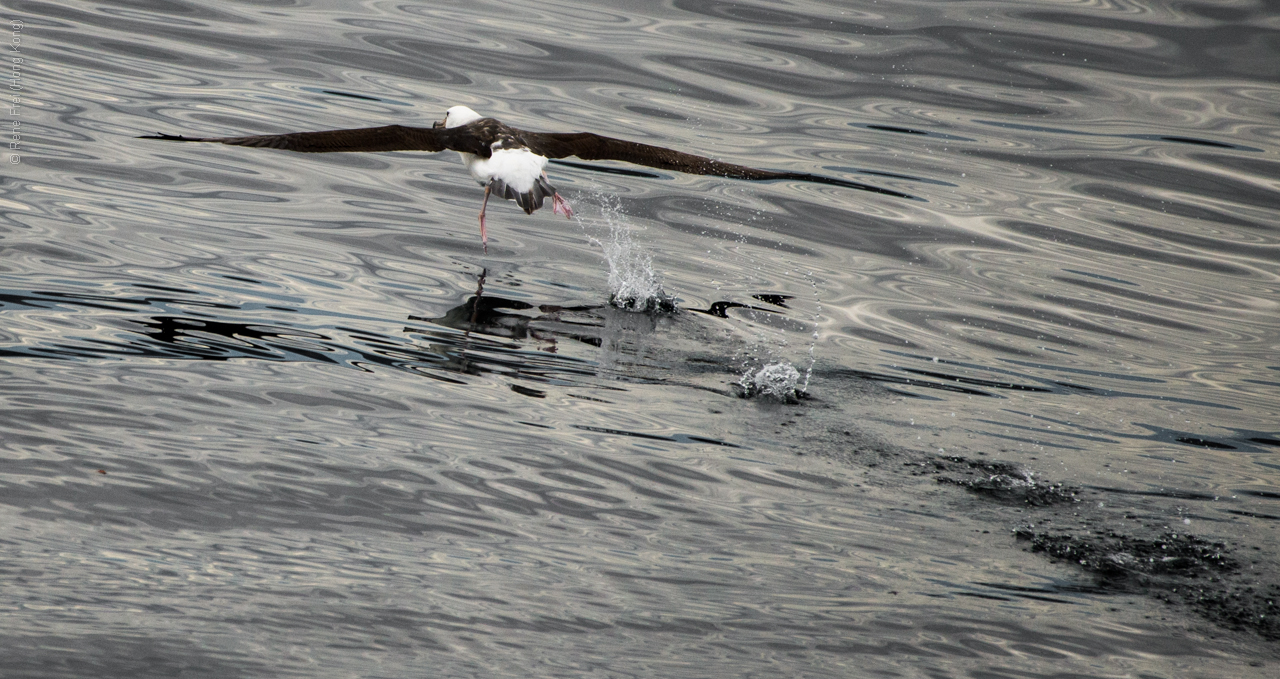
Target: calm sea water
x: 279, y: 415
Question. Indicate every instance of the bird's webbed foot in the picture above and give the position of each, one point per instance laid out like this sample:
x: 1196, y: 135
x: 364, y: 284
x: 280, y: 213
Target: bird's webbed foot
x: 561, y: 207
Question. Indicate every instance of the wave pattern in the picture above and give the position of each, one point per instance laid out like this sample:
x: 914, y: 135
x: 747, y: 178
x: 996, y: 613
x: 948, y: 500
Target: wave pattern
x: 288, y: 398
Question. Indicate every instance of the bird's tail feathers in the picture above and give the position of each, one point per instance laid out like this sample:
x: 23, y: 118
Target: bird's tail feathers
x: 529, y: 200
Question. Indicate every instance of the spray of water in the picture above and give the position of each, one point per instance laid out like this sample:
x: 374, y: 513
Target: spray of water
x: 633, y: 284
x: 773, y: 380
x: 813, y: 341
x: 765, y: 368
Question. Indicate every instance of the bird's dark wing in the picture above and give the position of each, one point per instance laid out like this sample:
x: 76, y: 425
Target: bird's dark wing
x: 386, y: 138
x: 588, y: 146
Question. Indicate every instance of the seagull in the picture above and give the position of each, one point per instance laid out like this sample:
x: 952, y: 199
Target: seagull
x: 510, y: 162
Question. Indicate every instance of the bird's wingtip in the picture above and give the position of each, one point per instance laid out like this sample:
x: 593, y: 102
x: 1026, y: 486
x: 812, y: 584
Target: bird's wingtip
x: 166, y: 137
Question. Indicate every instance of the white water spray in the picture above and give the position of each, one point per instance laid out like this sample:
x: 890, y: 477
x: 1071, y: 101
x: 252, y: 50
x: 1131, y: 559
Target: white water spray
x: 765, y: 370
x: 813, y: 341
x: 774, y: 380
x: 633, y: 284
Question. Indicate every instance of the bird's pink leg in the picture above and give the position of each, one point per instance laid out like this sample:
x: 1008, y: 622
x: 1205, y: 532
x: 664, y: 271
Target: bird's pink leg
x: 484, y: 236
x: 561, y: 207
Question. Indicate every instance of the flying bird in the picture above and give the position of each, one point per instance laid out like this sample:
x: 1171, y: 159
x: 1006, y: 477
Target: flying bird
x: 510, y: 162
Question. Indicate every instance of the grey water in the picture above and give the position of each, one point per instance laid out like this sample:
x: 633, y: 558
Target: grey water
x: 277, y: 415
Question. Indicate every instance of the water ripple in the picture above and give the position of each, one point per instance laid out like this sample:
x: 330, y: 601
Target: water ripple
x: 247, y: 392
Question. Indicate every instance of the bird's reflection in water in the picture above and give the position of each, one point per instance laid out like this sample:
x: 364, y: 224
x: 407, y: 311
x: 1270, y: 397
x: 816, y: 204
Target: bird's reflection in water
x: 513, y: 319
x: 484, y: 334
x: 623, y: 335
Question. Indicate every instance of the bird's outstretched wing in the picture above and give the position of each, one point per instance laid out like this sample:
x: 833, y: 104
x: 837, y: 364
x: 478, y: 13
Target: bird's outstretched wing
x: 386, y: 138
x: 476, y: 137
x: 589, y: 146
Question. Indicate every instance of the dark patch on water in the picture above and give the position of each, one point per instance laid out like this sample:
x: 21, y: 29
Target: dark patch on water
x: 1115, y: 555
x: 462, y: 341
x: 776, y: 300
x: 889, y: 128
x: 1252, y: 515
x: 678, y: 438
x: 1147, y: 137
x: 351, y: 96
x: 912, y: 131
x: 1204, y: 443
x: 1003, y: 481
x: 908, y: 381
x: 1176, y: 568
x: 526, y: 391
x: 1209, y: 577
x: 1172, y: 493
x: 721, y: 309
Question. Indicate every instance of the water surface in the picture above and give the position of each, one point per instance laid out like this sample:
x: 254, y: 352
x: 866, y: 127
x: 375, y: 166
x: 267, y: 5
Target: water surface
x: 279, y: 415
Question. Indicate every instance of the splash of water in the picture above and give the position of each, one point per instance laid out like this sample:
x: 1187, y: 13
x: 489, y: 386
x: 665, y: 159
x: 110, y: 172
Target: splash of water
x: 633, y: 283
x: 769, y: 347
x: 773, y: 380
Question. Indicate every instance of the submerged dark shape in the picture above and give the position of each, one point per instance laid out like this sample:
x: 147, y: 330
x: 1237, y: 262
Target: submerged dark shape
x: 511, y: 162
x: 1002, y: 481
x: 1179, y: 568
x: 1115, y: 555
x: 1126, y: 546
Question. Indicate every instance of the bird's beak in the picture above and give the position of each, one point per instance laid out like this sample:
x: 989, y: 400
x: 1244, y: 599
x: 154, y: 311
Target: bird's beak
x: 438, y: 123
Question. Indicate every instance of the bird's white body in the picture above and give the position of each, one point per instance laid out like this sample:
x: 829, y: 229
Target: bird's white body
x: 519, y: 168
x: 515, y: 173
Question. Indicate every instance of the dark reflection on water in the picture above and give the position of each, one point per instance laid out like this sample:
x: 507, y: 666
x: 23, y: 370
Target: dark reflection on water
x: 1150, y: 137
x: 449, y: 346
x: 262, y: 413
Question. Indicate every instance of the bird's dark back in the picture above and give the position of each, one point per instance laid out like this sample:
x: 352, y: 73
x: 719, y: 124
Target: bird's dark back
x: 478, y: 137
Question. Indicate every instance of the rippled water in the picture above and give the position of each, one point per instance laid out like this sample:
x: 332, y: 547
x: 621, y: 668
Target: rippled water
x: 279, y: 415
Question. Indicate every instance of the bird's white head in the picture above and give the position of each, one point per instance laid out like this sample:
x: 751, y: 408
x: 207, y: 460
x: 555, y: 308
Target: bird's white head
x: 460, y: 115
